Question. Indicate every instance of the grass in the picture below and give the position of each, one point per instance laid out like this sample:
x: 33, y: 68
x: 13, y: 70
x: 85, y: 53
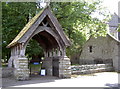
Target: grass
x: 76, y: 75
x: 35, y: 69
x: 4, y: 64
x: 75, y: 64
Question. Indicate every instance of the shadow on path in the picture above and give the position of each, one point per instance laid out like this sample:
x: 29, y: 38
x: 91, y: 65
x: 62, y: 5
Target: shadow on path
x: 9, y: 82
x: 113, y: 86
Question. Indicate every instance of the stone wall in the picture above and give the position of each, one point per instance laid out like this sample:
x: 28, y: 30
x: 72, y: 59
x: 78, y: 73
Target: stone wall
x: 95, y: 61
x: 7, y: 72
x: 93, y: 68
x: 100, y: 49
x: 62, y: 66
x: 47, y: 64
x: 103, y: 48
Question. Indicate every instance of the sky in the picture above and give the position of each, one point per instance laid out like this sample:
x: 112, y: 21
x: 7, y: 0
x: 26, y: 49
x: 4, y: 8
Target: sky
x: 112, y: 5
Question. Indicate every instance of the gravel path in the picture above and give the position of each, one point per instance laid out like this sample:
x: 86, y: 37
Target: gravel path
x: 8, y: 82
x: 104, y: 79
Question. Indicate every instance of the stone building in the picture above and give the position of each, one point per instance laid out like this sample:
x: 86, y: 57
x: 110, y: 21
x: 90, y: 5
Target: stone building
x: 113, y: 25
x: 103, y: 49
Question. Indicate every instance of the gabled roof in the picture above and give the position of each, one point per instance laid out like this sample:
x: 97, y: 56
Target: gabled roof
x: 40, y: 16
x: 108, y: 34
x: 113, y: 37
x: 114, y: 21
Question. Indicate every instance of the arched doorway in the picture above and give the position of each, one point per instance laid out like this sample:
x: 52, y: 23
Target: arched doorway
x: 46, y: 30
x: 35, y: 55
x: 51, y: 51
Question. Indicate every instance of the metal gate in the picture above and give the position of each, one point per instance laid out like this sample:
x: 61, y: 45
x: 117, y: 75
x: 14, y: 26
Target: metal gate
x: 55, y: 67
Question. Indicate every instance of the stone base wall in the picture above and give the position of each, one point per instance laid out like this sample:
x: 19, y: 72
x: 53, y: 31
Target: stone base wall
x: 7, y: 72
x: 64, y: 68
x: 87, y: 69
x: 95, y: 61
x: 22, y: 71
x: 21, y: 74
x: 47, y: 65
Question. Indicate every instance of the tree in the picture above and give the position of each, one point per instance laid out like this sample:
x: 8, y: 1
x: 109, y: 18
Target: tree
x: 78, y: 23
x: 14, y: 17
x: 75, y: 18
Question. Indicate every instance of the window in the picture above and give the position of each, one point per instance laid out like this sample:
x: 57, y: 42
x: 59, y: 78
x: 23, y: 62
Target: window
x: 90, y: 49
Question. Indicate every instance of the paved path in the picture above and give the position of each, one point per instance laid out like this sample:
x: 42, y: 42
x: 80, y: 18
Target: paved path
x: 105, y: 79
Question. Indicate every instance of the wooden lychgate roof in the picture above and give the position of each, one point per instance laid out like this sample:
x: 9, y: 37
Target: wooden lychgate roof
x: 35, y: 22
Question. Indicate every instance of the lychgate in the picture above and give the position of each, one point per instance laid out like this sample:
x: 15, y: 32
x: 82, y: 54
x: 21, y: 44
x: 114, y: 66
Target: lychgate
x: 47, y: 31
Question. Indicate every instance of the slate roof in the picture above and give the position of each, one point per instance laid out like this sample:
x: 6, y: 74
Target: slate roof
x: 114, y: 21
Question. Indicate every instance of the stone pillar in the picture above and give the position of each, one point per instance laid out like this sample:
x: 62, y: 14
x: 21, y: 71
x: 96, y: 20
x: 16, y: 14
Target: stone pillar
x: 21, y: 72
x: 64, y: 67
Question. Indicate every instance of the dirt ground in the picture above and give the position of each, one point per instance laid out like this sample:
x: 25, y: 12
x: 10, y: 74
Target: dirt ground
x: 104, y: 79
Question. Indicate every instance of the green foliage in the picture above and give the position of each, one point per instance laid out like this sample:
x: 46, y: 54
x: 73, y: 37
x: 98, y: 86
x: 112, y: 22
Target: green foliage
x: 77, y: 22
x: 75, y: 18
x: 14, y: 17
x: 35, y: 68
x: 33, y: 48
